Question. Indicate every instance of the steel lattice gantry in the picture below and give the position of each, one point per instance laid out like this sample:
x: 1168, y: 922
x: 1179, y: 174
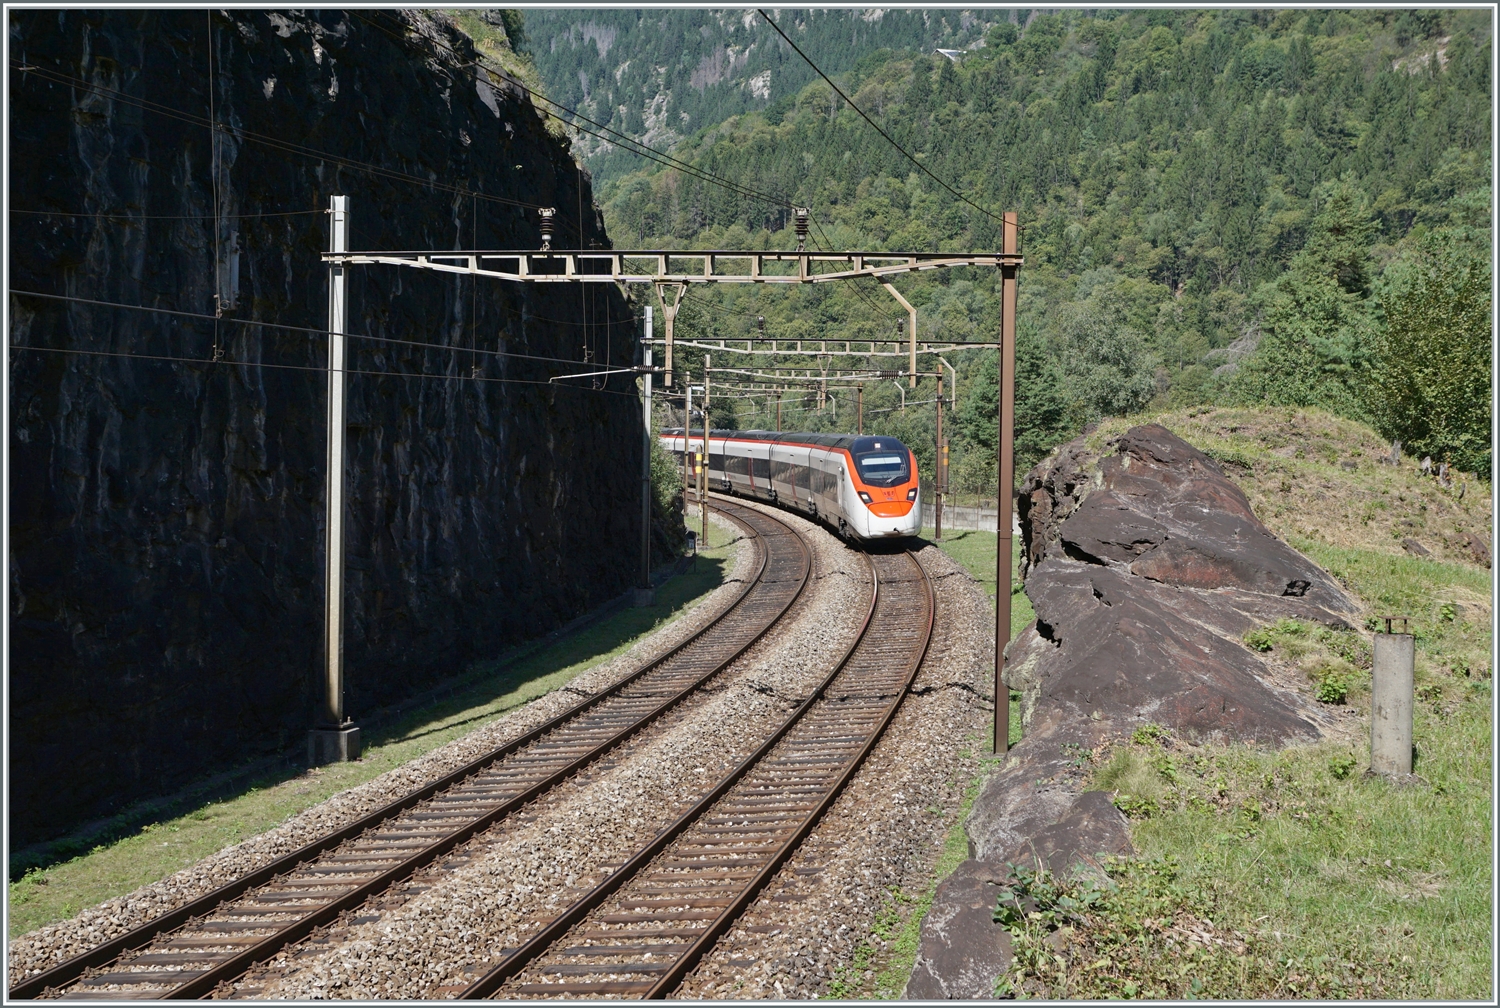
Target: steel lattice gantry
x: 657, y: 266
x: 670, y: 272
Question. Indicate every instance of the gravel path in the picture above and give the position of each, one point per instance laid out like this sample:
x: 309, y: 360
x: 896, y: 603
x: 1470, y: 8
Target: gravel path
x: 433, y: 936
x: 883, y: 833
x: 35, y: 951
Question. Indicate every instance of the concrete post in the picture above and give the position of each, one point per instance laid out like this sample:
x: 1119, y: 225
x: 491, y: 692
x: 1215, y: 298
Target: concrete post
x: 1391, y: 704
x: 335, y: 739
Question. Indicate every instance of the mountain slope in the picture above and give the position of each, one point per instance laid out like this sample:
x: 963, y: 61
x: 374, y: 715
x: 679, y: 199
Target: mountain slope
x: 661, y: 75
x: 1190, y: 182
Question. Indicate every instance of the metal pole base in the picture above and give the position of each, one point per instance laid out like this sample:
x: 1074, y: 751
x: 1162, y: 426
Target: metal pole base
x: 644, y: 597
x: 332, y: 745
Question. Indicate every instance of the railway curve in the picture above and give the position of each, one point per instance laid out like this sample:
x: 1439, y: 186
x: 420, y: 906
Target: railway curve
x: 190, y: 951
x: 641, y: 930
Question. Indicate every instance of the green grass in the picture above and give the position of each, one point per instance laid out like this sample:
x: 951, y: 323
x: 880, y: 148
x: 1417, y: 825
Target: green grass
x: 976, y: 552
x: 898, y: 922
x: 110, y: 869
x: 1319, y: 880
x: 1330, y: 883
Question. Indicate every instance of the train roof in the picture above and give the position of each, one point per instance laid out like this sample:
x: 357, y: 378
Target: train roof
x: 853, y: 442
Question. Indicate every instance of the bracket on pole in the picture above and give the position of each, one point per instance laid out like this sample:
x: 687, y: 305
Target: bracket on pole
x: 911, y: 325
x: 669, y: 315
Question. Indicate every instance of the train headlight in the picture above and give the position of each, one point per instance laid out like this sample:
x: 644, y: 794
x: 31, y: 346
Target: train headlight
x: 911, y: 494
x: 866, y: 497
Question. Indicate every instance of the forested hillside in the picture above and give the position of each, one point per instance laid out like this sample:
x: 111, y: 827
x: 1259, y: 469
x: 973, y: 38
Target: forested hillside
x: 1257, y: 206
x: 661, y: 75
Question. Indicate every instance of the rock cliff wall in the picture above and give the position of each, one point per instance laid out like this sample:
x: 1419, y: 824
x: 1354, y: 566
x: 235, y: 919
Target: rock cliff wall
x: 167, y: 513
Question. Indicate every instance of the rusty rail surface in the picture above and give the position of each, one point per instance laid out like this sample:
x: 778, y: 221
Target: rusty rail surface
x: 191, y: 950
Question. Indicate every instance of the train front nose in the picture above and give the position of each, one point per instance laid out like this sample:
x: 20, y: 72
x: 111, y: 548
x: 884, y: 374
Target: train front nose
x: 894, y: 519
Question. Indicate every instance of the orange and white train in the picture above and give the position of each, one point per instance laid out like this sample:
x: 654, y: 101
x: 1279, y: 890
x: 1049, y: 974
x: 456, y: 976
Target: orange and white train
x: 862, y: 486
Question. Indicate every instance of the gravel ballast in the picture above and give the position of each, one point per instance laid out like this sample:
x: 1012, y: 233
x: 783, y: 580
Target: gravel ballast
x: 47, y: 946
x: 446, y: 927
x: 430, y: 936
x: 883, y: 833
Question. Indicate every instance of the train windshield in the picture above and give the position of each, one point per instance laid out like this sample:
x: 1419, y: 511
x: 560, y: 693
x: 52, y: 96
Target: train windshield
x: 886, y: 466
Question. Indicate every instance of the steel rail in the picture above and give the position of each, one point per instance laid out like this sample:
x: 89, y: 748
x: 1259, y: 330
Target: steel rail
x: 540, y: 944
x: 73, y: 969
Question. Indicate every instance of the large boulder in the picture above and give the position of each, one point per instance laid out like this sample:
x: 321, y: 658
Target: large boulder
x: 1145, y: 567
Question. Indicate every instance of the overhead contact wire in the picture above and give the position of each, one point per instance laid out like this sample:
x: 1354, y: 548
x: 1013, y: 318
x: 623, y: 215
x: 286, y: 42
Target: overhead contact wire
x: 290, y: 328
x: 304, y: 367
x: 876, y: 126
x: 615, y: 137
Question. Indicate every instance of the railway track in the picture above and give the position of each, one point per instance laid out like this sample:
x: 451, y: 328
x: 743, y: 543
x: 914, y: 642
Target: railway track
x: 210, y: 941
x: 642, y: 929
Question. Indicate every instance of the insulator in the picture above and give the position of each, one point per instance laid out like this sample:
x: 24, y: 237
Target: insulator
x: 546, y: 214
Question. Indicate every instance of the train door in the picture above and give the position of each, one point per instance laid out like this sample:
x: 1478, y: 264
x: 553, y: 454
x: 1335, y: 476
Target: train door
x: 801, y: 473
x: 760, y: 470
x: 784, y: 474
x: 737, y: 466
x: 824, y: 486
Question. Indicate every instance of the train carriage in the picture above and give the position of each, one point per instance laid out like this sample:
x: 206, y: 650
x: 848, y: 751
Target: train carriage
x: 862, y: 486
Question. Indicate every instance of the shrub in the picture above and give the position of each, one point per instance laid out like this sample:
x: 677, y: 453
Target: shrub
x: 1260, y: 639
x: 1333, y: 689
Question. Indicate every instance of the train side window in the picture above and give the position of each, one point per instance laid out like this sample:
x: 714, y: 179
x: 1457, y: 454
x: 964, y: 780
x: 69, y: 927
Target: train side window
x: 715, y: 462
x: 760, y: 468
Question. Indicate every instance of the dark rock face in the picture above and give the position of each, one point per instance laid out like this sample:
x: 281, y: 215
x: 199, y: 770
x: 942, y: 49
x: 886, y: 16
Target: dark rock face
x: 1478, y: 548
x: 167, y: 515
x: 1145, y: 568
x: 963, y: 951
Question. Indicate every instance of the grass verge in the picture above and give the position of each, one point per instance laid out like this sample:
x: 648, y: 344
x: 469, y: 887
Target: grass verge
x: 890, y: 951
x: 1292, y: 873
x: 975, y: 551
x: 149, y: 854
